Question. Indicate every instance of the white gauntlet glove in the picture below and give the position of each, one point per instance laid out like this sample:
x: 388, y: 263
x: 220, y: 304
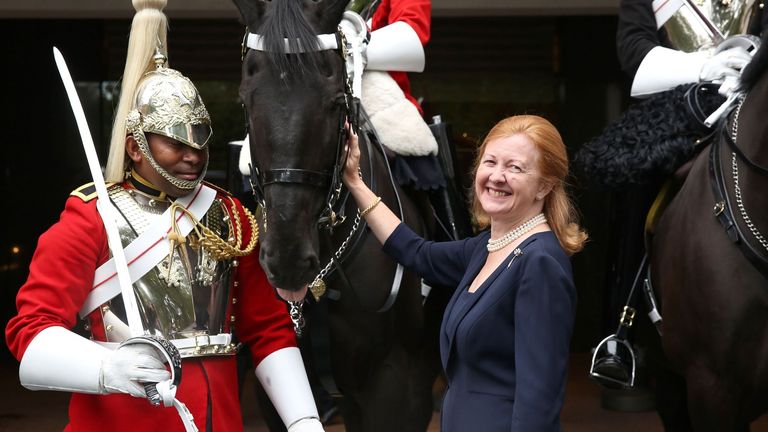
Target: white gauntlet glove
x: 283, y: 377
x: 727, y: 63
x: 58, y: 359
x: 129, y: 367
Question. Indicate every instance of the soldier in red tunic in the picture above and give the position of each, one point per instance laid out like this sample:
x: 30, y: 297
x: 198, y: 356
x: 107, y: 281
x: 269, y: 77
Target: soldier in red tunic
x: 192, y: 255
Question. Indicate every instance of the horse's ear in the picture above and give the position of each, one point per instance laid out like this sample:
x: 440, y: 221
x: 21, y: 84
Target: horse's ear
x: 325, y: 14
x: 252, y: 12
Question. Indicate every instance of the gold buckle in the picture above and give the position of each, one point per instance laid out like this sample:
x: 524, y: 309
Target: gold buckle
x: 719, y: 208
x: 627, y: 316
x: 244, y: 45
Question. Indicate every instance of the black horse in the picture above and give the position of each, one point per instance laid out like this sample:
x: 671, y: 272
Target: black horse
x: 383, y: 338
x: 709, y: 260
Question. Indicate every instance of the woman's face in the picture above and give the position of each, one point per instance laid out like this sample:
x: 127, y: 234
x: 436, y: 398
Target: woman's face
x: 508, y: 183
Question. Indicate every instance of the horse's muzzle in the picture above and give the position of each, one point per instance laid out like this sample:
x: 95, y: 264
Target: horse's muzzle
x: 290, y: 269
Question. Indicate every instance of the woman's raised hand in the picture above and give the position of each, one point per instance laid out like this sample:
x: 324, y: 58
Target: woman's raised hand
x: 351, y: 177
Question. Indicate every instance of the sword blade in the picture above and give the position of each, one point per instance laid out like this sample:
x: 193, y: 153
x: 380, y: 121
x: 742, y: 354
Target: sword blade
x: 714, y: 32
x: 103, y: 203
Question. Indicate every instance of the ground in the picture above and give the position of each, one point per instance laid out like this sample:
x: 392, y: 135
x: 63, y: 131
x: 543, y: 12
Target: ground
x: 26, y: 411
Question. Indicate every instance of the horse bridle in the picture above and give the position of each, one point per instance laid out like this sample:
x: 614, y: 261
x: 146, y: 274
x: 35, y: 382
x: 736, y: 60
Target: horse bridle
x: 723, y: 209
x: 328, y: 219
x: 259, y: 178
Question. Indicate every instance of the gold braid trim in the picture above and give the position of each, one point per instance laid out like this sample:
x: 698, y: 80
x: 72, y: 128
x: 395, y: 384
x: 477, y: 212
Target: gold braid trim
x: 238, y: 226
x: 215, y: 245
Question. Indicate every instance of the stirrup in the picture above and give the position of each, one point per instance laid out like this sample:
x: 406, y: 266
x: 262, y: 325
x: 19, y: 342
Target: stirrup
x: 613, y: 363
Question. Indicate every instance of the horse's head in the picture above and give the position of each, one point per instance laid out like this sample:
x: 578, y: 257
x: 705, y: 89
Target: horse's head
x: 293, y: 88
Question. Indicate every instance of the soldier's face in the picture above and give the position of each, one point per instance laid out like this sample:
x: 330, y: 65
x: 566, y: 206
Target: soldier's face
x: 178, y: 159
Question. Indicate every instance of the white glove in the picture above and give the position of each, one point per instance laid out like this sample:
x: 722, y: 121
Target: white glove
x: 663, y: 69
x: 727, y: 63
x: 129, y: 367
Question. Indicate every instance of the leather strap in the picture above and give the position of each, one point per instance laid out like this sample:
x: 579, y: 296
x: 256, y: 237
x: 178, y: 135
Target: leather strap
x: 724, y: 213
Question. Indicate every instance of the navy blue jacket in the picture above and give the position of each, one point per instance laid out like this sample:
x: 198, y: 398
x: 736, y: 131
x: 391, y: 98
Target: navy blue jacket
x: 505, y: 347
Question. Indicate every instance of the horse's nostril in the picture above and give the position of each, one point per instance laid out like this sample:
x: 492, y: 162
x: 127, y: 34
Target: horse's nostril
x: 312, y: 262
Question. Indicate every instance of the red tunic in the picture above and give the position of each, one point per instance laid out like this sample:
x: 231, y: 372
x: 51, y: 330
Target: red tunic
x: 417, y: 14
x: 60, y: 278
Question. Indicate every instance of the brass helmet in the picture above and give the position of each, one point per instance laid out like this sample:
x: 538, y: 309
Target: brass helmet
x: 168, y: 104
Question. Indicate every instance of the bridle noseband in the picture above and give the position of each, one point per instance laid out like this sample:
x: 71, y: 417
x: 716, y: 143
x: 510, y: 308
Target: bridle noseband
x: 321, y: 179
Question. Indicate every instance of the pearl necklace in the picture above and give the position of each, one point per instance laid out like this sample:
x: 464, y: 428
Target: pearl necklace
x: 499, y: 243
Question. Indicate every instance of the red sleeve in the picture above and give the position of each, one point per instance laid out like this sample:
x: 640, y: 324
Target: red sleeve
x: 60, y: 274
x: 261, y: 318
x: 416, y: 13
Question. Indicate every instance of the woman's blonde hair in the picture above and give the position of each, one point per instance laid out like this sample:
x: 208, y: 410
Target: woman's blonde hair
x: 149, y: 31
x: 553, y: 166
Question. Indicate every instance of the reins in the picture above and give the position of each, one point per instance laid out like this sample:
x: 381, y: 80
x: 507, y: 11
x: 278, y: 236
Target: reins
x: 723, y: 208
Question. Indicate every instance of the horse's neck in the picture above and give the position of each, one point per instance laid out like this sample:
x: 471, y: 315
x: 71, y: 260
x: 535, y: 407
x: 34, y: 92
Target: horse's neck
x: 752, y: 125
x: 746, y: 184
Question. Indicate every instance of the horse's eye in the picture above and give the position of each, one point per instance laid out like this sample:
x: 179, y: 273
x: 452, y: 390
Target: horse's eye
x: 251, y: 68
x: 325, y: 67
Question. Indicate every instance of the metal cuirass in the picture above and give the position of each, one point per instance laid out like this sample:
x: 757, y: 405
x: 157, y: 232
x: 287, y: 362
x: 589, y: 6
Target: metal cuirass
x: 690, y: 27
x: 185, y: 298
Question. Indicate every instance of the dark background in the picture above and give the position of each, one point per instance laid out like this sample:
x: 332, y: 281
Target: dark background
x: 479, y: 70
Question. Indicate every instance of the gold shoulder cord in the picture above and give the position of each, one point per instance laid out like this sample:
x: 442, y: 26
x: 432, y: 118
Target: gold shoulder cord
x: 215, y: 245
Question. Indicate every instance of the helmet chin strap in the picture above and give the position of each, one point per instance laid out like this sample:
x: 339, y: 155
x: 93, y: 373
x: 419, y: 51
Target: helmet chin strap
x: 179, y: 183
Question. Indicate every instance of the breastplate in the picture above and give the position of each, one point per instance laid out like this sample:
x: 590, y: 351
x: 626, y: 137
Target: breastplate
x: 185, y: 298
x: 688, y: 32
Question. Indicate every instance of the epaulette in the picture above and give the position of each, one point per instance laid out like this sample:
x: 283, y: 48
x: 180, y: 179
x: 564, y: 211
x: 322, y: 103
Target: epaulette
x: 87, y: 191
x: 217, y: 188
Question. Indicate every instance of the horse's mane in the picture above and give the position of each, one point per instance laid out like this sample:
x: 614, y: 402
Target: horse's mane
x: 286, y: 21
x: 757, y: 66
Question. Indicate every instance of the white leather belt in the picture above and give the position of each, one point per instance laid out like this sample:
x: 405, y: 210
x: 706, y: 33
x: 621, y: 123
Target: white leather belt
x: 198, y: 346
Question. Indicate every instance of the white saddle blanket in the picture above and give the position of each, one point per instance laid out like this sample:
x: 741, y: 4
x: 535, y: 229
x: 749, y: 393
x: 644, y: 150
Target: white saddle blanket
x: 397, y: 121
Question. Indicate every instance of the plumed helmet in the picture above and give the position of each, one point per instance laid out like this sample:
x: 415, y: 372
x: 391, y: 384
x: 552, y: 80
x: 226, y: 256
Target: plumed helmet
x: 155, y: 98
x: 167, y: 103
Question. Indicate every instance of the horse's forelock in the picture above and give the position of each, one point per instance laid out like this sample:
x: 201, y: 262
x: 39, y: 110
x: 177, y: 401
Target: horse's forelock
x: 285, y: 20
x: 757, y: 66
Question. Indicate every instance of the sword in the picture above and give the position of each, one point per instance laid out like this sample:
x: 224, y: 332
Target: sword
x: 103, y: 204
x: 108, y: 216
x: 714, y: 32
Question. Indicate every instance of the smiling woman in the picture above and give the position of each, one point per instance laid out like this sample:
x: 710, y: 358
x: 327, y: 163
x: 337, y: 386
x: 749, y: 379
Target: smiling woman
x: 536, y: 163
x: 508, y: 184
x: 514, y: 280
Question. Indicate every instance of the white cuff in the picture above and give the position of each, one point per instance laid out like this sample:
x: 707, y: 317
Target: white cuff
x: 284, y: 379
x: 663, y: 69
x: 58, y: 359
x: 395, y: 47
